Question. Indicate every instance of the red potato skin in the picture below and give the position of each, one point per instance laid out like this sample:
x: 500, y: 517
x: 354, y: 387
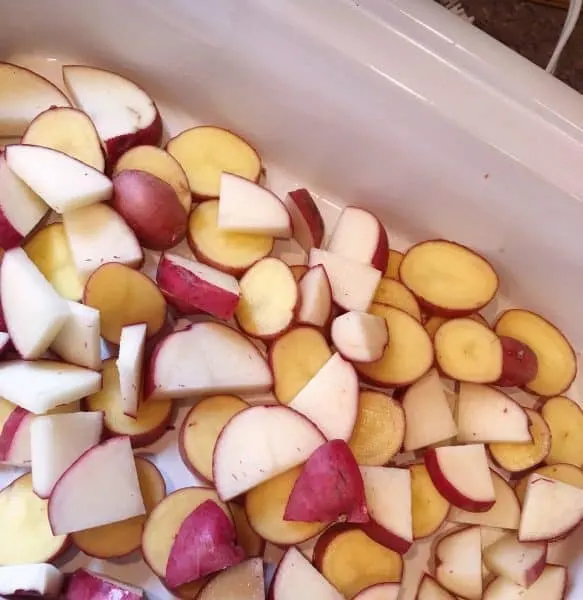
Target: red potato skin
x: 380, y: 258
x: 11, y: 426
x: 520, y: 364
x: 85, y: 585
x: 299, y: 306
x: 9, y: 237
x: 306, y: 205
x: 190, y: 294
x: 363, y: 594
x: 150, y: 207
x: 200, y: 197
x: 148, y: 136
x: 386, y: 538
x: 430, y: 309
x: 330, y: 486
x: 447, y: 490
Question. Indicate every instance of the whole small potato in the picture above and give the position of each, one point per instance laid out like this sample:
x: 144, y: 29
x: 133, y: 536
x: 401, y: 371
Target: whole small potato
x: 151, y: 208
x: 519, y: 363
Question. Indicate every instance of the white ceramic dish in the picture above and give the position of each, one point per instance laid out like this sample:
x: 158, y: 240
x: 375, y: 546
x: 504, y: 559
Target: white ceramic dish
x: 392, y: 104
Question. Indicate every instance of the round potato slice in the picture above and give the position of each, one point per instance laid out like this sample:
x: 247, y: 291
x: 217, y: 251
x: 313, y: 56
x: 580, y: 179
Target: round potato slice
x: 565, y: 420
x: 557, y: 363
x: 394, y: 293
x: 26, y: 535
x: 123, y: 538
x: 200, y: 430
x: 379, y: 430
x: 408, y: 355
x: 429, y: 508
x: 164, y: 521
x: 448, y: 278
x: 227, y: 251
x: 124, y: 297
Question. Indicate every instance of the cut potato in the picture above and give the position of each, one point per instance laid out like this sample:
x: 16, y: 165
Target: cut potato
x: 315, y: 297
x: 124, y: 297
x: 151, y: 207
x: 565, y: 420
x: 379, y: 429
x: 520, y: 364
x: 393, y: 293
x: 299, y: 271
x: 428, y: 507
x: 149, y: 425
x: 188, y: 591
x: 504, y: 514
x: 516, y: 458
x: 67, y: 130
x: 206, y: 152
x: 468, y: 351
x: 247, y: 537
x: 158, y: 162
x: 231, y: 252
x: 561, y: 472
x: 200, y: 430
x: 120, y: 539
x: 26, y: 533
x: 49, y: 251
x: 164, y: 521
x: 557, y: 363
x: 295, y: 358
x: 433, y: 323
x: 269, y: 298
x: 307, y: 222
x: 393, y: 264
x: 265, y: 507
x: 246, y: 577
x: 351, y: 561
x: 360, y: 336
x: 408, y: 356
x: 448, y: 279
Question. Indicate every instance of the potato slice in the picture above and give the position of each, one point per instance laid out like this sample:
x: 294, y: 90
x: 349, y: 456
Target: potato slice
x: 230, y: 252
x: 408, y: 356
x: 561, y: 472
x: 448, y: 278
x: 265, y: 506
x: 434, y: 322
x: 394, y: 293
x: 158, y: 162
x: 565, y: 420
x: 379, y: 430
x: 295, y: 358
x: 200, y: 430
x: 164, y: 521
x: 206, y: 152
x: 248, y: 539
x: 516, y: 458
x: 24, y: 523
x: 428, y: 506
x: 124, y: 297
x: 393, y: 264
x: 149, y: 425
x: 49, y: 251
x: 468, y: 351
x: 269, y: 298
x: 299, y: 271
x: 557, y: 363
x: 120, y: 539
x: 351, y: 561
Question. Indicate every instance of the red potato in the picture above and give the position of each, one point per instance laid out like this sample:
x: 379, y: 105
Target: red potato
x: 85, y: 584
x: 462, y: 476
x: 191, y: 286
x: 448, y: 279
x: 308, y: 224
x: 316, y: 297
x: 41, y: 580
x: 15, y: 425
x: 205, y: 543
x: 269, y: 299
x: 330, y: 486
x: 21, y: 210
x: 393, y: 293
x: 206, y: 152
x: 230, y: 252
x: 26, y: 94
x: 158, y: 162
x: 360, y: 336
x: 67, y: 130
x: 130, y: 365
x: 429, y: 508
x: 228, y: 585
x: 151, y: 207
x: 561, y: 472
x: 519, y: 363
x: 360, y: 236
x: 247, y: 207
x: 123, y: 113
x: 551, y: 585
